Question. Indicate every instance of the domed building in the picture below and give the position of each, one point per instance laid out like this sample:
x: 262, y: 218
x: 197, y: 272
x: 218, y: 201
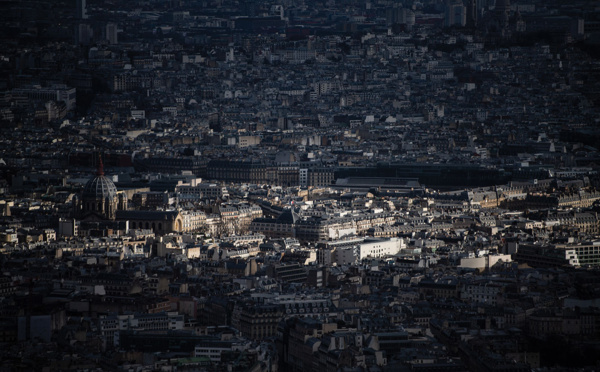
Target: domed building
x: 99, y: 199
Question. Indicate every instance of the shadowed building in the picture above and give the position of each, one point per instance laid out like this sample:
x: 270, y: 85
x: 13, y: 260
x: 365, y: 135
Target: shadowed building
x: 160, y: 222
x: 99, y: 199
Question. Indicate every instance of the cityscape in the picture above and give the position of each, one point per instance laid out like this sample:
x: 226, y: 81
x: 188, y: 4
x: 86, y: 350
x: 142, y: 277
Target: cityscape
x: 300, y: 185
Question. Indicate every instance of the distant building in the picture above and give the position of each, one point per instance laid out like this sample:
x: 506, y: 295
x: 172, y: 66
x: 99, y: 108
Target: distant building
x: 99, y: 199
x: 482, y: 263
x: 246, y: 141
x: 160, y: 222
x: 258, y: 322
x: 171, y: 165
x: 84, y: 34
x: 152, y: 199
x: 455, y: 14
x: 546, y: 255
x: 195, y: 190
x: 110, y: 326
x: 81, y: 9
x: 58, y: 93
x: 68, y: 227
x: 111, y: 33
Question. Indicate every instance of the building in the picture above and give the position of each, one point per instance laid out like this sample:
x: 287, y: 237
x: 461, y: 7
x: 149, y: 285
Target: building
x: 160, y: 222
x: 291, y: 272
x: 455, y: 14
x: 380, y: 247
x: 314, y: 229
x: 111, y: 33
x: 258, y: 322
x: 111, y: 325
x: 280, y: 227
x: 319, y: 176
x: 152, y: 199
x: 57, y: 92
x: 484, y: 263
x: 193, y: 221
x: 195, y: 190
x: 586, y: 253
x: 99, y: 199
x: 546, y: 255
x: 486, y: 292
x: 164, y: 165
x: 81, y: 9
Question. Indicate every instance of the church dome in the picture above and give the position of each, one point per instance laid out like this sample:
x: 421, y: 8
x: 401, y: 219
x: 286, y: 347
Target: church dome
x: 99, y: 187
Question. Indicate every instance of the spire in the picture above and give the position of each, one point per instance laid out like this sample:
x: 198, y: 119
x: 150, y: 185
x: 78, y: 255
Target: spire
x: 100, y: 170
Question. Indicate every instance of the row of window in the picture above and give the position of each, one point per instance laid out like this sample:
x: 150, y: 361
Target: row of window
x: 140, y: 225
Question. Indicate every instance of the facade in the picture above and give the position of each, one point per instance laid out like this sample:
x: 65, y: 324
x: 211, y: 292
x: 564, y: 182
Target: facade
x: 438, y: 289
x: 570, y: 254
x: 281, y: 227
x: 58, y: 93
x: 314, y: 229
x: 586, y: 253
x: 193, y: 221
x: 152, y: 199
x: 546, y: 255
x: 352, y: 250
x: 292, y: 272
x: 214, y: 349
x: 258, y: 322
x: 160, y: 222
x: 110, y: 326
x: 484, y: 293
x: 366, y: 221
x: 483, y: 263
x: 195, y: 190
x: 380, y: 247
x: 455, y: 14
x: 574, y: 322
x: 262, y: 173
x: 164, y: 165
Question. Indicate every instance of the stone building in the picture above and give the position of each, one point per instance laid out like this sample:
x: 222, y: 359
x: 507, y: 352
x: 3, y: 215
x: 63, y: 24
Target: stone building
x: 99, y: 199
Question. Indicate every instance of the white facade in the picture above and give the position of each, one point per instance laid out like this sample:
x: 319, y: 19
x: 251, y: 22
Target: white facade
x: 214, y: 351
x: 211, y: 352
x: 193, y: 221
x: 246, y: 141
x: 380, y: 248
